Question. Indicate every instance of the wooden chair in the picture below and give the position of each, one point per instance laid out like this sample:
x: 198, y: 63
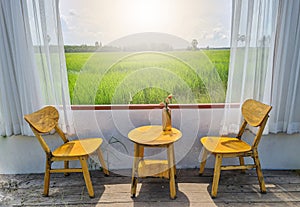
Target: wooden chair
x: 255, y: 114
x: 44, y: 121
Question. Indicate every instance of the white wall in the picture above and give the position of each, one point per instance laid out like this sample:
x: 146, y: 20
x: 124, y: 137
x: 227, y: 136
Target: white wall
x: 20, y: 154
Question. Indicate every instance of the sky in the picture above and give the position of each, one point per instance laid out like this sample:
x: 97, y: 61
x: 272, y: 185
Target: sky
x: 88, y: 21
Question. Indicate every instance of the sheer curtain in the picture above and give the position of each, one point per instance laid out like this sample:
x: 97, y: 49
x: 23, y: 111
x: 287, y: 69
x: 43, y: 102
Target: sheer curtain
x: 265, y: 62
x: 17, y: 90
x: 251, y: 56
x: 285, y: 116
x: 33, y: 71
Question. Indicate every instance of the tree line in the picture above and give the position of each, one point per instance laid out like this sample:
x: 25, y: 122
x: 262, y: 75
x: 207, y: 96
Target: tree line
x: 96, y: 48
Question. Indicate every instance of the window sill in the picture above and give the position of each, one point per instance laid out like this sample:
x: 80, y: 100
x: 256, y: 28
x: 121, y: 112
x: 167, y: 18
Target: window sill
x: 153, y: 106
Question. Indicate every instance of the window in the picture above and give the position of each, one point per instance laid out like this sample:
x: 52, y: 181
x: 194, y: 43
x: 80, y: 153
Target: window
x: 139, y: 51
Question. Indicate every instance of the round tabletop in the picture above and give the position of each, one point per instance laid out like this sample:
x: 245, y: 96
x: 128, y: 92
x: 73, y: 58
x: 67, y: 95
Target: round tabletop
x: 153, y: 135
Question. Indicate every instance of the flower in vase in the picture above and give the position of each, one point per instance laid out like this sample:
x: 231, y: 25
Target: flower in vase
x: 167, y: 102
x: 166, y: 114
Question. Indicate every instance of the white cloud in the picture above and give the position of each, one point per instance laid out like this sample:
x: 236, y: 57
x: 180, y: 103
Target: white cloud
x: 72, y: 12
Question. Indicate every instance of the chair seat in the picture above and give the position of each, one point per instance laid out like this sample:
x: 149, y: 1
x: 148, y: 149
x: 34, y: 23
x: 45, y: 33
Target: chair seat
x: 225, y: 145
x: 78, y: 147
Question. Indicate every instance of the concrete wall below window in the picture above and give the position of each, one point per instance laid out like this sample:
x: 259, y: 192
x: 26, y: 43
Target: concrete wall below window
x: 21, y: 154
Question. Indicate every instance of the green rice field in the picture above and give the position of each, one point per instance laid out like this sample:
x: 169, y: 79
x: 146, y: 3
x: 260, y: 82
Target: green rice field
x: 147, y: 77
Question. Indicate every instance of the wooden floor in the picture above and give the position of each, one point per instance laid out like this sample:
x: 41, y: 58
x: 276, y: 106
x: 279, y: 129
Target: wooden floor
x: 235, y: 189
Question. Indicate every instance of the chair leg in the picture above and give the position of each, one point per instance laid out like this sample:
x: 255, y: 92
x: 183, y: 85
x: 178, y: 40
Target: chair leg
x: 242, y: 162
x: 47, y: 178
x: 86, y: 175
x: 102, y: 162
x: 259, y: 173
x: 136, y: 160
x: 203, y: 160
x: 66, y: 166
x: 217, y: 173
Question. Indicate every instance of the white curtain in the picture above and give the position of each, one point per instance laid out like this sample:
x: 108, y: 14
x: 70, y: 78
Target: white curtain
x: 251, y: 56
x: 285, y: 116
x: 265, y: 62
x: 33, y: 71
x: 17, y: 90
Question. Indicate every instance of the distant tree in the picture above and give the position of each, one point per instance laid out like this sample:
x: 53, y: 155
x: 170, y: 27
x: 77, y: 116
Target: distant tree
x: 96, y: 44
x: 81, y: 48
x: 194, y: 44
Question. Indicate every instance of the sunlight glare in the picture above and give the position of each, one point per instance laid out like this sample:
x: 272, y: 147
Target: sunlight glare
x: 149, y: 14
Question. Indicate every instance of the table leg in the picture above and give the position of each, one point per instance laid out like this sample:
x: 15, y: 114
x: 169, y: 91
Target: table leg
x: 171, y: 171
x: 174, y: 162
x: 136, y: 160
x: 141, y: 151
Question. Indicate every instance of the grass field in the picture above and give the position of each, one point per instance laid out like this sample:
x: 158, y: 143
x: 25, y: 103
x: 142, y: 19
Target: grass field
x: 148, y: 77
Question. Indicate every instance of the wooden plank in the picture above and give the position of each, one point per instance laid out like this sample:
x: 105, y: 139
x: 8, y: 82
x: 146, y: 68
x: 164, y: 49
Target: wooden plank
x: 242, y: 179
x: 162, y: 187
x: 192, y: 190
x: 266, y: 204
x: 257, y: 197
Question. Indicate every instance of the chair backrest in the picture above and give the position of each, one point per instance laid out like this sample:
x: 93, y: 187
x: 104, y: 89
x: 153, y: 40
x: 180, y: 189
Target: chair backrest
x: 255, y: 114
x: 44, y: 121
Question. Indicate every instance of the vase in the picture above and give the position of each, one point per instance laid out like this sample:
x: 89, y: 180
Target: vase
x: 166, y: 120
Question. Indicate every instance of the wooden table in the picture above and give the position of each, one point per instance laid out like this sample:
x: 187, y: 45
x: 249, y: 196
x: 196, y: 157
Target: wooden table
x: 153, y: 136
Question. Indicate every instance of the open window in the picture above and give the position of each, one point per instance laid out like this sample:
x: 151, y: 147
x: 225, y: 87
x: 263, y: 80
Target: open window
x: 139, y: 51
